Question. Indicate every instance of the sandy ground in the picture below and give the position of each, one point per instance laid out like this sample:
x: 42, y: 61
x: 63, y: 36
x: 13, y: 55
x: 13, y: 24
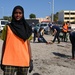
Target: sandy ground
x: 52, y: 59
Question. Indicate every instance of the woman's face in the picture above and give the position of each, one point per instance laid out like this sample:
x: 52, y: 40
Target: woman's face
x: 18, y: 14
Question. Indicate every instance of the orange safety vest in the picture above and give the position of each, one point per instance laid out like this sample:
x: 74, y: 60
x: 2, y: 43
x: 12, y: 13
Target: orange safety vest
x: 16, y: 51
x: 65, y: 28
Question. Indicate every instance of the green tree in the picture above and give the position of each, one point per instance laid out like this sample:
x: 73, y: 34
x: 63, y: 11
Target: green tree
x: 32, y: 16
x: 56, y: 17
x: 7, y: 18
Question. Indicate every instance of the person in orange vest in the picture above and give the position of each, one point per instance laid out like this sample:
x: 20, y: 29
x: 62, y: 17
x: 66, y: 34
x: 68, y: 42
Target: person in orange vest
x: 65, y: 30
x: 16, y: 54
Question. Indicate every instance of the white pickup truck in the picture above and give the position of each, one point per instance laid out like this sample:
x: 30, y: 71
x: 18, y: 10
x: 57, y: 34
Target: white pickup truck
x: 2, y: 24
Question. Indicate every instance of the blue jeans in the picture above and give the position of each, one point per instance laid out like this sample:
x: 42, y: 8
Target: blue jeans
x: 42, y: 39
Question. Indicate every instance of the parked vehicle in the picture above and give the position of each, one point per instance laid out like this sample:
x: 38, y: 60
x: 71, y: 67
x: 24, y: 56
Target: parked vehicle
x: 43, y: 25
x: 2, y: 24
x: 72, y: 27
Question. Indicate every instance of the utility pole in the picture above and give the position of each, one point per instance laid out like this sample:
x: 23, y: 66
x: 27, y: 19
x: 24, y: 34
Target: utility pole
x: 53, y: 11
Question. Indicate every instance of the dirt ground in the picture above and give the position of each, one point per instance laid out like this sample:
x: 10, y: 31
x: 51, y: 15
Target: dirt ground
x: 52, y: 59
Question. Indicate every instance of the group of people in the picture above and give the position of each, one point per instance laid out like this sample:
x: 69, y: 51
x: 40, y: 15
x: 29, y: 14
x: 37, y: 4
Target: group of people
x: 56, y: 33
x: 40, y: 34
x: 16, y: 50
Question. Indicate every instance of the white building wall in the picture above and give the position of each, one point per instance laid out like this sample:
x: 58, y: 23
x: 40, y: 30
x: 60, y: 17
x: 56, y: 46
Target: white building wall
x: 66, y: 15
x: 46, y: 19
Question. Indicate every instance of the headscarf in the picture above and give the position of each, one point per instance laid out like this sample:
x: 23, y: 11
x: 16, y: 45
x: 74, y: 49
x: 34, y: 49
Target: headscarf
x: 20, y: 28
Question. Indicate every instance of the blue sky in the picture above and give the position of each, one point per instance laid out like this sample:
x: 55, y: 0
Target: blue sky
x: 41, y: 8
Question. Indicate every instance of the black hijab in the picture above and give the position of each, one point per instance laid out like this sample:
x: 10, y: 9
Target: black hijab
x: 20, y: 28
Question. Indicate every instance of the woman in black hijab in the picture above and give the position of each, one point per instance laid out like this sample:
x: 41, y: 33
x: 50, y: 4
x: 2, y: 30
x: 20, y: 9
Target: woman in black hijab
x: 19, y: 26
x: 17, y: 45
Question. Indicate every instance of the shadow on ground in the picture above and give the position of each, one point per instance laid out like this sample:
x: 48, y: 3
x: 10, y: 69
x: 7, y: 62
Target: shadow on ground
x: 61, y: 55
x: 36, y: 74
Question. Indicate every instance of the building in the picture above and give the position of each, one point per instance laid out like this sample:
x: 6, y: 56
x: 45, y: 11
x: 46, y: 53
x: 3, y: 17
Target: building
x: 34, y: 21
x: 46, y: 19
x: 67, y: 15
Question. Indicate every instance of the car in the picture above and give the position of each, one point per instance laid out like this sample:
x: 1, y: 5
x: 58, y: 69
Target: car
x: 2, y: 24
x: 43, y: 25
